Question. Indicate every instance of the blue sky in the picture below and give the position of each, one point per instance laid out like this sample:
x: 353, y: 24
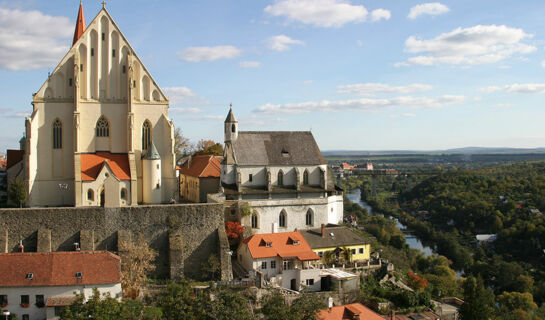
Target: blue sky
x: 362, y: 75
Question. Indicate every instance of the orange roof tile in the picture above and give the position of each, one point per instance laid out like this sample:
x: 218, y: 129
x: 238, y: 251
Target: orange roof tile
x: 59, y: 268
x: 202, y: 166
x: 80, y: 24
x: 348, y: 312
x: 92, y: 163
x: 14, y: 156
x: 281, y: 246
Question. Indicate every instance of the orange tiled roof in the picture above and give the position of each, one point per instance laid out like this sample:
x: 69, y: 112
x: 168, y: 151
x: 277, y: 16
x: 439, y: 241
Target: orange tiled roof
x: 59, y: 268
x: 282, y: 246
x: 14, y: 156
x: 80, y: 24
x: 202, y: 166
x: 92, y: 163
x: 348, y: 312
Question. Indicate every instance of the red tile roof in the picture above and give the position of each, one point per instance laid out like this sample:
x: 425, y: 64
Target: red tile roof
x: 202, y: 166
x: 282, y: 246
x: 92, y: 163
x: 348, y: 312
x: 59, y: 268
x: 80, y: 24
x: 14, y: 156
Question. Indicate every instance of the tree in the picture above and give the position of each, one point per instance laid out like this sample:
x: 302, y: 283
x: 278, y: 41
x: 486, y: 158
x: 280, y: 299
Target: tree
x: 478, y: 301
x: 306, y: 307
x: 346, y: 254
x: 211, y: 268
x: 178, y: 302
x: 274, y: 307
x: 234, y: 230
x: 17, y: 192
x: 137, y: 261
x: 182, y: 146
x: 329, y: 256
x: 512, y: 301
x: 231, y: 306
x: 209, y: 147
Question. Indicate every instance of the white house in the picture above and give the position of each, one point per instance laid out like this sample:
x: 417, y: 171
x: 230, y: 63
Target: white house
x: 99, y: 132
x: 284, y: 259
x: 283, y: 177
x: 36, y: 285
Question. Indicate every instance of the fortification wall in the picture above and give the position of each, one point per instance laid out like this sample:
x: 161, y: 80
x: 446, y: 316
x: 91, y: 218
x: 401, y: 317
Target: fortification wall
x: 183, y: 235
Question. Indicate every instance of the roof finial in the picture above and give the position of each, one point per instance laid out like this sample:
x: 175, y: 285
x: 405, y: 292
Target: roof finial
x: 231, y: 106
x: 103, y: 4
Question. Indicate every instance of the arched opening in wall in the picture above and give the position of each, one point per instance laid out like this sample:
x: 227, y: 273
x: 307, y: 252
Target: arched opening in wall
x: 146, y: 135
x: 233, y: 128
x: 102, y: 198
x: 305, y: 177
x: 60, y: 84
x: 90, y: 195
x: 309, y: 218
x: 156, y: 96
x: 104, y: 56
x: 69, y: 82
x: 123, y: 194
x: 145, y: 88
x: 123, y: 88
x: 136, y: 85
x: 114, y: 66
x: 255, y: 221
x: 82, y: 71
x: 57, y: 134
x: 280, y: 178
x: 94, y: 65
x: 48, y: 93
x: 282, y: 217
x: 103, y: 127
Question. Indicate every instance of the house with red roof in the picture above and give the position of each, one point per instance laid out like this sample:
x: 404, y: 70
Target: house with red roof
x: 199, y: 176
x: 284, y: 259
x: 36, y: 285
x: 354, y: 311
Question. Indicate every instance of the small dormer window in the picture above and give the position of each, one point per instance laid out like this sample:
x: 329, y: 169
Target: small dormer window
x: 296, y: 242
x: 30, y: 276
x: 79, y: 275
x: 285, y: 153
x: 268, y: 244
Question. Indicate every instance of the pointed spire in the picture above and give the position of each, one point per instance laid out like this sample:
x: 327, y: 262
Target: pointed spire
x: 80, y: 23
x: 230, y: 115
x: 151, y: 153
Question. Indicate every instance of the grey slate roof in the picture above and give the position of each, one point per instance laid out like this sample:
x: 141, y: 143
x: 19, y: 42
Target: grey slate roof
x: 152, y: 153
x: 230, y: 116
x: 277, y: 148
x: 342, y: 236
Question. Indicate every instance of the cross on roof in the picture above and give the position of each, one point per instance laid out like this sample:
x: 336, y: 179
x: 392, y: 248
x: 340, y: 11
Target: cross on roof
x: 103, y: 4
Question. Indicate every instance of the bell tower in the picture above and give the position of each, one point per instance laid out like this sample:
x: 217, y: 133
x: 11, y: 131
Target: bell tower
x: 231, y: 126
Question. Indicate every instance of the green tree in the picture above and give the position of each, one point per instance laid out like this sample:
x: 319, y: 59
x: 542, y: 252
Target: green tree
x: 137, y: 261
x: 231, y: 306
x: 512, y: 301
x: 211, y: 268
x: 346, y: 254
x: 17, y: 192
x: 329, y: 256
x: 306, y: 307
x: 274, y: 306
x: 478, y: 301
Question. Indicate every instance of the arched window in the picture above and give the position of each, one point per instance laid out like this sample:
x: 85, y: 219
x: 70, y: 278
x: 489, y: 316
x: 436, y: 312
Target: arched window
x: 146, y: 135
x: 57, y: 134
x: 280, y: 178
x: 282, y: 219
x: 233, y: 127
x: 123, y: 194
x: 103, y: 127
x: 254, y: 221
x: 90, y: 195
x: 305, y: 177
x: 309, y: 217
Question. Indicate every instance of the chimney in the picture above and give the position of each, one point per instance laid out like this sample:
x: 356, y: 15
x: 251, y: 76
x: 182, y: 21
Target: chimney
x: 323, y: 230
x: 189, y: 162
x: 330, y: 302
x: 21, y: 247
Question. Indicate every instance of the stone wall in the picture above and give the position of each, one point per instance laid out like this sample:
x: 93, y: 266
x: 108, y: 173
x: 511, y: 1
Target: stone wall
x: 183, y: 235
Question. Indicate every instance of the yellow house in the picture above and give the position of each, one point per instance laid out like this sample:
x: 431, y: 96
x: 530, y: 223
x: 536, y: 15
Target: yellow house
x: 336, y: 238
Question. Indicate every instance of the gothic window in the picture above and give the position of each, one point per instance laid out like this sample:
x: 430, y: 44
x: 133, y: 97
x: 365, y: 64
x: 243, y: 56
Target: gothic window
x: 254, y: 221
x: 90, y: 195
x: 57, y: 134
x: 305, y: 177
x: 146, y: 135
x: 123, y: 194
x: 233, y: 127
x: 280, y: 178
x: 309, y: 217
x: 103, y: 127
x: 282, y: 219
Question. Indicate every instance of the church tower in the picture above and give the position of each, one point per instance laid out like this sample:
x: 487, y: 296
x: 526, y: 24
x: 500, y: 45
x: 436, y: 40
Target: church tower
x: 231, y: 127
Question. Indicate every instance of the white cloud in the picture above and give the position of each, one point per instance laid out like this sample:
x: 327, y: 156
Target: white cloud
x: 543, y: 63
x: 282, y: 43
x: 360, y: 43
x: 179, y: 110
x: 208, y: 117
x: 468, y: 46
x: 368, y: 89
x: 526, y: 88
x: 179, y: 96
x: 378, y: 14
x: 319, y: 13
x: 10, y: 113
x: 250, y: 64
x: 308, y: 82
x: 198, y: 54
x: 359, y: 105
x: 430, y: 8
x: 32, y: 40
x: 403, y: 115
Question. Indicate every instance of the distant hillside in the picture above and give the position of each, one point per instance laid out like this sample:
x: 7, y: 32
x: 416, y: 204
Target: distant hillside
x: 466, y: 150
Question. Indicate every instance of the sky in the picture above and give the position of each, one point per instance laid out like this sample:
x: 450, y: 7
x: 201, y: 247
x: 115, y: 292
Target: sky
x: 360, y: 74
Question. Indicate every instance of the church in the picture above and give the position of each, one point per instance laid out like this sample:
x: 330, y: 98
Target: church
x: 282, y: 176
x: 99, y: 133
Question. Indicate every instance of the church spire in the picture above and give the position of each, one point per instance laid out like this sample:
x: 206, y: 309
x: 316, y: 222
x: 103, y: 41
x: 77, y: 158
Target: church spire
x: 80, y: 24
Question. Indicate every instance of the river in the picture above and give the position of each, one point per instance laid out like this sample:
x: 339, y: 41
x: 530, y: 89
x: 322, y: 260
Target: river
x: 412, y: 240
